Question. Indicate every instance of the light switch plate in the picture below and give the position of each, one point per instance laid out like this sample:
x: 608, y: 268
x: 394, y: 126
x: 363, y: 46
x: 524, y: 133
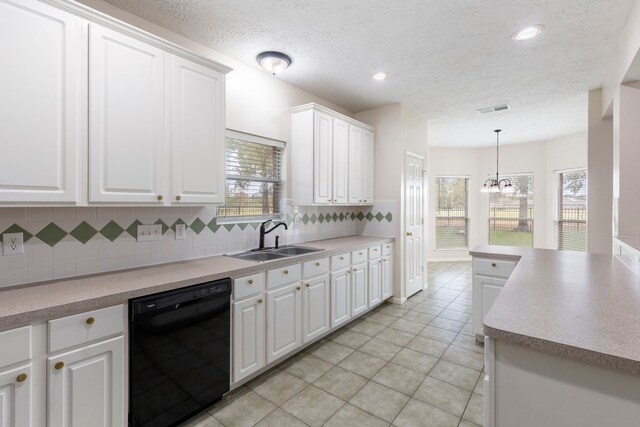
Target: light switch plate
x: 13, y: 243
x: 149, y: 233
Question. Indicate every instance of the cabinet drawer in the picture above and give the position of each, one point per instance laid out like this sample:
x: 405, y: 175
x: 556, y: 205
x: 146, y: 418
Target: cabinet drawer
x: 487, y: 267
x: 85, y: 327
x: 315, y: 267
x: 375, y: 252
x: 248, y: 285
x: 340, y: 261
x: 358, y: 257
x: 282, y: 276
x: 15, y: 345
x: 387, y: 249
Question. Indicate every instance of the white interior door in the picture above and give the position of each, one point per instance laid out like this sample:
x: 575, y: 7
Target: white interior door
x: 413, y: 223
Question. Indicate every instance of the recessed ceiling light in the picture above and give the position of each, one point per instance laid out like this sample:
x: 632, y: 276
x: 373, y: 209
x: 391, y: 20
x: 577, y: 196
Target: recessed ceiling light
x: 380, y: 75
x: 273, y: 62
x: 527, y: 33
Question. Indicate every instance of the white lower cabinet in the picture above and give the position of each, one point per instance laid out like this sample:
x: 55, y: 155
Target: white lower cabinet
x: 375, y: 282
x: 86, y: 386
x: 284, y: 320
x: 387, y: 277
x: 358, y: 289
x: 315, y: 308
x: 248, y: 336
x: 486, y: 291
x: 15, y: 396
x: 340, y: 296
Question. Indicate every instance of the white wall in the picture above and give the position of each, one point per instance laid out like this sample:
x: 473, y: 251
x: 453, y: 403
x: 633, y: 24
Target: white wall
x: 542, y: 158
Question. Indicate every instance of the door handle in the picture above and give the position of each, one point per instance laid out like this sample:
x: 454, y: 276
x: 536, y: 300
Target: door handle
x: 409, y: 233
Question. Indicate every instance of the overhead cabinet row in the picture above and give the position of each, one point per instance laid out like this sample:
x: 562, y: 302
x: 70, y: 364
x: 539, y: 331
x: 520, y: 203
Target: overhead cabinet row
x: 332, y: 158
x: 155, y: 129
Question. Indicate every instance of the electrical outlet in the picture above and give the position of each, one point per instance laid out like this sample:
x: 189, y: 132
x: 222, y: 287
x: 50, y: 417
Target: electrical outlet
x: 296, y: 221
x: 181, y: 231
x: 13, y: 243
x: 149, y: 233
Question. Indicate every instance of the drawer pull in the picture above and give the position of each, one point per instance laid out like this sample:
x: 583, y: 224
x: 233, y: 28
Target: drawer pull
x: 21, y: 378
x: 493, y: 264
x: 59, y: 365
x: 317, y: 264
x: 307, y: 285
x: 250, y: 281
x: 359, y: 253
x: 178, y: 198
x: 388, y: 246
x: 286, y: 272
x: 297, y: 288
x: 90, y: 320
x: 375, y: 249
x: 260, y: 301
x: 341, y: 258
x: 159, y: 197
x: 409, y: 233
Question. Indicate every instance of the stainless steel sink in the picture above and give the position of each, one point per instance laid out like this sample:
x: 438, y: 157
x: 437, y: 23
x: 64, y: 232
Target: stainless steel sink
x: 272, y: 254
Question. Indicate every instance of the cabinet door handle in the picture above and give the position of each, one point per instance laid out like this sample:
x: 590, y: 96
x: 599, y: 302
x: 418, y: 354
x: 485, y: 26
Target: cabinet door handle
x: 178, y: 198
x: 307, y: 285
x: 493, y: 264
x: 59, y: 365
x: 159, y: 197
x: 90, y: 320
x: 260, y: 301
x: 286, y: 272
x: 341, y: 258
x: 317, y: 264
x: 21, y: 378
x: 250, y: 281
x: 409, y: 233
x: 298, y: 288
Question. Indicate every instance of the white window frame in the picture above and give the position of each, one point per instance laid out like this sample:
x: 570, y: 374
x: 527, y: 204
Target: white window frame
x: 533, y: 225
x: 467, y: 217
x: 558, y: 203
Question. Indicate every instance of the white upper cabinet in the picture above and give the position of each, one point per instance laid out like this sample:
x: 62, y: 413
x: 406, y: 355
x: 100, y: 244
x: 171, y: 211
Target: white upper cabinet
x: 126, y: 118
x: 198, y: 123
x: 43, y: 90
x: 340, y: 172
x: 322, y: 158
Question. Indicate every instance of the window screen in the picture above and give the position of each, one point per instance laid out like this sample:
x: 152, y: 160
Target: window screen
x: 253, y: 166
x: 511, y: 215
x: 572, y: 210
x: 452, y: 212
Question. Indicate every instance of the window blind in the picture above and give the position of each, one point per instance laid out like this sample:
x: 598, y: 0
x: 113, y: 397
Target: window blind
x: 253, y: 169
x: 511, y: 215
x: 452, y: 212
x: 571, y: 226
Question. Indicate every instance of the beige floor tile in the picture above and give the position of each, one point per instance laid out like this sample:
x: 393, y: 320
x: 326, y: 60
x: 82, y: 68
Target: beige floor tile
x: 469, y: 343
x: 435, y: 303
x: 399, y: 378
x: 414, y: 360
x: 465, y: 423
x: 455, y: 374
x: 381, y: 349
x: 367, y: 328
x: 459, y: 307
x: 341, y: 383
x: 203, y: 420
x: 395, y: 336
x: 280, y: 418
x: 309, y: 368
x: 407, y: 325
x: 381, y: 318
x: 427, y: 308
x: 480, y: 385
x: 438, y: 334
x: 350, y: 416
x: 427, y: 346
x: 464, y: 357
x: 468, y: 330
x: 332, y: 352
x: 245, y: 410
x: 380, y: 401
x: 280, y: 387
x: 351, y: 339
x: 455, y: 315
x: 313, y: 406
x: 393, y: 310
x: 475, y: 410
x: 451, y: 325
x: 362, y: 364
x: 417, y: 413
x: 443, y: 395
x: 416, y: 316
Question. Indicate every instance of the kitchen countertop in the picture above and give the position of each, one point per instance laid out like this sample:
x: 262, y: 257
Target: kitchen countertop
x: 26, y: 304
x: 575, y: 304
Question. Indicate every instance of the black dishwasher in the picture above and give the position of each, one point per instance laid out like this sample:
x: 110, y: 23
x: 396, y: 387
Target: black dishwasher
x: 178, y: 353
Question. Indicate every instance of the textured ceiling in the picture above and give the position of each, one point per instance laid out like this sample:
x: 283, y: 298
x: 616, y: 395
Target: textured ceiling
x: 447, y: 58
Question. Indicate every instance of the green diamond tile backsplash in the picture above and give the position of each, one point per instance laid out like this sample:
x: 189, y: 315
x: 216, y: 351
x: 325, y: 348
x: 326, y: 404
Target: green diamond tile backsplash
x: 84, y: 231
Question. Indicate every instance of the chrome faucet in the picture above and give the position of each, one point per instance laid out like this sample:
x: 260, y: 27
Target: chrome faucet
x: 263, y: 232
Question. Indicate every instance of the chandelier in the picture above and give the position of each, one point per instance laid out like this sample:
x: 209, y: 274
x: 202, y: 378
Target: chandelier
x: 497, y: 185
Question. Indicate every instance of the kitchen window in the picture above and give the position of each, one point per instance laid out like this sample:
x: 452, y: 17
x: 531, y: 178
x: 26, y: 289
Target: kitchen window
x: 452, y: 212
x: 571, y: 225
x: 511, y: 214
x: 254, y: 182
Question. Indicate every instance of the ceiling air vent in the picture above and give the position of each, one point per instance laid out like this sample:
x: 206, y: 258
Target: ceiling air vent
x: 493, y: 109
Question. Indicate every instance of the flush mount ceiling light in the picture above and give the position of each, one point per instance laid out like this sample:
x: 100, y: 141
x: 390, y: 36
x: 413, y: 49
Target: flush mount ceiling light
x: 380, y: 75
x: 527, y: 33
x: 273, y: 62
x: 497, y: 185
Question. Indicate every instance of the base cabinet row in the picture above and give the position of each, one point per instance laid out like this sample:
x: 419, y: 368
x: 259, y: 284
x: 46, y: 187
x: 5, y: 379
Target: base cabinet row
x: 272, y: 324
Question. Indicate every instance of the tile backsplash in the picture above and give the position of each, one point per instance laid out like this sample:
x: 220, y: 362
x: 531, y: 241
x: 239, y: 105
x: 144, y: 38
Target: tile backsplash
x: 67, y: 242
